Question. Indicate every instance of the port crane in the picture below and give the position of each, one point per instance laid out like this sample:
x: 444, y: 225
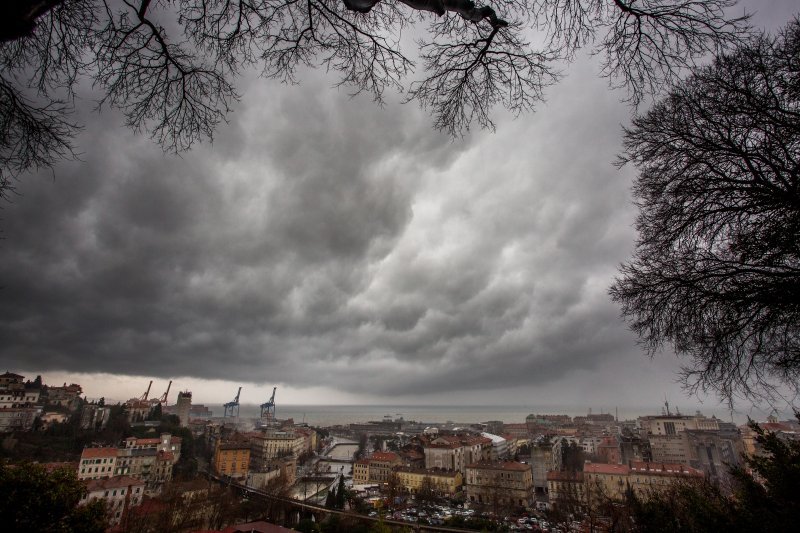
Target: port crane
x: 268, y: 408
x: 163, y: 399
x: 144, y: 396
x: 232, y: 408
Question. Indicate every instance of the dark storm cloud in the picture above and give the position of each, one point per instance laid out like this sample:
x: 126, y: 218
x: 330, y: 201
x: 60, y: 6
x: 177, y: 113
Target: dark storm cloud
x: 322, y: 240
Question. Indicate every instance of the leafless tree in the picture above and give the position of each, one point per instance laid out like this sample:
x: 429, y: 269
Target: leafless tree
x: 716, y: 272
x: 170, y: 65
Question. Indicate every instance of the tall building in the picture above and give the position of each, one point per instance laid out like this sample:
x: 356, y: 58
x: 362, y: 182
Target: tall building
x: 270, y: 444
x: 232, y: 458
x: 506, y: 484
x: 184, y: 405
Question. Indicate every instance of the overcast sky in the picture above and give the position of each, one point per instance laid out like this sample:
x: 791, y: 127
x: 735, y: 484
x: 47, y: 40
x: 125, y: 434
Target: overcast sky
x: 343, y: 252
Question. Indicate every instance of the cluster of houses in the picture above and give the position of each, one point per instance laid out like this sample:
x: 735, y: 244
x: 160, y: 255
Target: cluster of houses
x: 260, y: 458
x: 122, y: 476
x: 22, y: 402
x: 557, y: 458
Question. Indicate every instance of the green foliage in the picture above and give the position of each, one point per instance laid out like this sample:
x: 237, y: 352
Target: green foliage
x: 344, y: 524
x: 426, y: 495
x: 34, y: 500
x: 572, y: 458
x: 380, y: 527
x: 362, y: 447
x: 156, y: 413
x: 307, y: 525
x: 341, y: 494
x: 330, y: 501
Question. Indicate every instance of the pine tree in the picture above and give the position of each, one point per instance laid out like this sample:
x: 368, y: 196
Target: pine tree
x: 330, y: 501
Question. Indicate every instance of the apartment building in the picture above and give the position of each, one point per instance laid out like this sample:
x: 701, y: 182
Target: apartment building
x: 97, y: 463
x: 504, y: 483
x: 150, y: 460
x: 270, y: 444
x: 377, y: 468
x: 674, y: 424
x: 455, y: 452
x: 18, y: 418
x: 611, y: 481
x: 566, y: 488
x: 120, y: 493
x: 442, y: 482
x: 232, y: 459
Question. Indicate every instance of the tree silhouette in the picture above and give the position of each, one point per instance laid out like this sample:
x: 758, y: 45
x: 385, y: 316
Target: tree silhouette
x: 716, y: 272
x: 170, y: 66
x: 37, y: 500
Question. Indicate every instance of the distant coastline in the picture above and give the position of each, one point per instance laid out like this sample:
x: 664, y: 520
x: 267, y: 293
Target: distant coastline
x: 329, y: 415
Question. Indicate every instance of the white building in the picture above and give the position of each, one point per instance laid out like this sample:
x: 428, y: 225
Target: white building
x: 120, y: 493
x: 499, y: 446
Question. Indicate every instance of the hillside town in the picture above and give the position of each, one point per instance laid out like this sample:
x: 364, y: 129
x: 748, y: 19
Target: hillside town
x: 549, y: 472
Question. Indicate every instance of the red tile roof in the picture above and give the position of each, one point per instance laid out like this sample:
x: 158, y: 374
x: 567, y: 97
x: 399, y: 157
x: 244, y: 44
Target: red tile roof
x: 166, y: 456
x: 384, y: 456
x: 600, y: 468
x: 668, y: 469
x: 98, y: 452
x: 144, y: 442
x: 555, y: 475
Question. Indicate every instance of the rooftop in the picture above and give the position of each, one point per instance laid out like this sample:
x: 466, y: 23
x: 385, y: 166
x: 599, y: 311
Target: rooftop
x: 669, y: 469
x: 512, y: 466
x: 116, y: 482
x: 600, y: 468
x: 98, y: 452
x: 555, y: 475
x: 384, y: 456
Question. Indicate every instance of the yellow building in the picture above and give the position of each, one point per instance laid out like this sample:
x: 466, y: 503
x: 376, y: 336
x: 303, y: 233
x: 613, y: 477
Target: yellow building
x: 647, y: 477
x: 375, y: 469
x: 611, y: 481
x: 442, y: 482
x: 361, y: 472
x: 232, y: 459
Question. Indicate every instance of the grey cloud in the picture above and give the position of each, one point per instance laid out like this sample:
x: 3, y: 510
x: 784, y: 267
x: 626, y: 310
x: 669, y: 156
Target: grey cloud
x: 322, y: 240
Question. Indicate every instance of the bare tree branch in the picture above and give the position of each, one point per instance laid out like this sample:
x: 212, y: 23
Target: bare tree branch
x: 716, y: 272
x: 170, y: 65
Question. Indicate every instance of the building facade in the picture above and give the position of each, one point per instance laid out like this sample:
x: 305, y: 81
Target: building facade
x: 232, y: 459
x: 271, y: 444
x: 442, y: 482
x: 120, y: 494
x: 505, y: 483
x: 97, y: 463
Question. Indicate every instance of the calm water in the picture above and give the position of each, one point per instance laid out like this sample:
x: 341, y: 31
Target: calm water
x: 329, y: 415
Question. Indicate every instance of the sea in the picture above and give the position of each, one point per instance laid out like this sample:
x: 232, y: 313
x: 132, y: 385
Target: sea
x: 330, y: 415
